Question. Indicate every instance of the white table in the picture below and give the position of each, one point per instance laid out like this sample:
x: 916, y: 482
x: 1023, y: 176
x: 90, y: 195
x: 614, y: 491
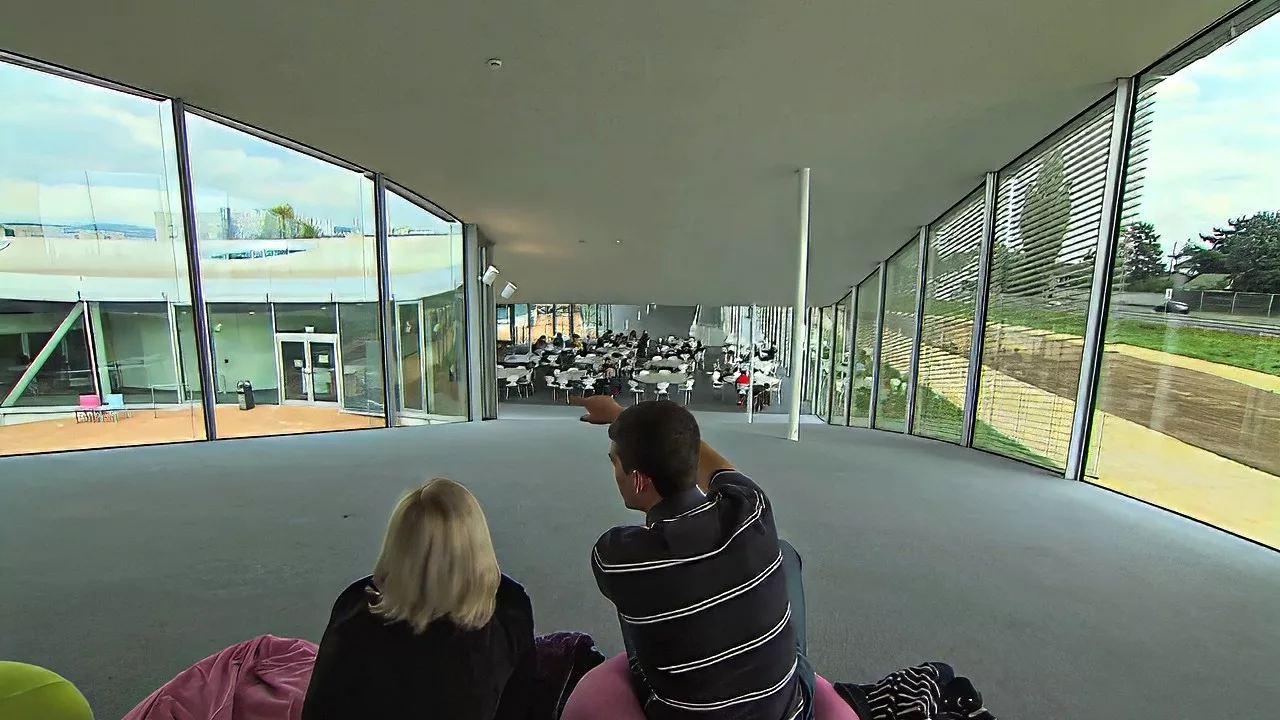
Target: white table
x: 520, y: 359
x: 572, y: 375
x: 507, y: 373
x: 669, y: 364
x: 653, y: 378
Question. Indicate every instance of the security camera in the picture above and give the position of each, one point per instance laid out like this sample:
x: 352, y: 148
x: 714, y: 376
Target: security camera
x: 489, y: 275
x: 508, y: 291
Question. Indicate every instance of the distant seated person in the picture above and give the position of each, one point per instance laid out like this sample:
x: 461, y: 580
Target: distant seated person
x: 436, y: 632
x: 742, y: 381
x: 541, y: 344
x: 576, y: 341
x: 558, y: 341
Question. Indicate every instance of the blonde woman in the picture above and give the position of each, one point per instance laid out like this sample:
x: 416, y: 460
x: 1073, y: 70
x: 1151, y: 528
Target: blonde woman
x: 436, y: 632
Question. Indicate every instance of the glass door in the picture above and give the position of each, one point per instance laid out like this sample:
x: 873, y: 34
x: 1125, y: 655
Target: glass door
x: 410, y: 340
x: 293, y: 371
x: 309, y: 368
x: 321, y: 362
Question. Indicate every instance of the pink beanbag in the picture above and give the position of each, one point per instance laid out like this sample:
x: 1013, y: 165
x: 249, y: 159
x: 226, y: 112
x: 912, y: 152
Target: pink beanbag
x: 605, y: 694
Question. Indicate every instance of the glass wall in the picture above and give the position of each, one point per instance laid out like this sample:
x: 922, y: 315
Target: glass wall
x: 425, y: 262
x: 840, y: 355
x: 864, y: 335
x: 1188, y: 409
x: 90, y: 269
x: 825, y: 357
x: 1048, y: 216
x: 285, y: 239
x: 897, y: 330
x: 951, y: 291
x: 98, y: 341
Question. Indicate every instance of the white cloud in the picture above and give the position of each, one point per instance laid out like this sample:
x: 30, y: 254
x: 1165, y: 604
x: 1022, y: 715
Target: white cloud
x: 1214, y: 150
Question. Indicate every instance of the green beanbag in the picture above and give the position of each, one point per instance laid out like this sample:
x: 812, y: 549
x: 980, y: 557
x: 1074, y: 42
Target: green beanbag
x: 28, y: 692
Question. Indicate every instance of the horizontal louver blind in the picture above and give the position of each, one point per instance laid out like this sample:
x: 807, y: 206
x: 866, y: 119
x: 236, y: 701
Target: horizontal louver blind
x: 863, y: 345
x: 947, y: 330
x: 1048, y: 215
x: 899, y: 326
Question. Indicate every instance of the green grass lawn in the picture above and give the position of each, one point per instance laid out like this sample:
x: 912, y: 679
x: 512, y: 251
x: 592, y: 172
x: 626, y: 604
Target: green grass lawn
x: 939, y: 418
x: 1253, y: 352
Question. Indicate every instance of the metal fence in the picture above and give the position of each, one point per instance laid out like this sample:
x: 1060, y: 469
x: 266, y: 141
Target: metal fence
x: 1231, y: 303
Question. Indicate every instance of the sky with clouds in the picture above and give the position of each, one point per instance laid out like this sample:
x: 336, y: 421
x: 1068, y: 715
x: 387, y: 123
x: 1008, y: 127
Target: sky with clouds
x: 76, y: 153
x: 1214, y: 151
x: 73, y: 153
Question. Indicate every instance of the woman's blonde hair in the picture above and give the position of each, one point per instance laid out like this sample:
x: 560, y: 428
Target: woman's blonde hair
x: 437, y: 560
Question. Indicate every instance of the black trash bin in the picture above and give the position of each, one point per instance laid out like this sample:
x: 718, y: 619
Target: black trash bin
x: 244, y: 393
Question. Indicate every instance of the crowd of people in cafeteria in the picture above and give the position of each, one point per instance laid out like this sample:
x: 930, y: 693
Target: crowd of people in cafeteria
x: 710, y: 604
x: 617, y: 369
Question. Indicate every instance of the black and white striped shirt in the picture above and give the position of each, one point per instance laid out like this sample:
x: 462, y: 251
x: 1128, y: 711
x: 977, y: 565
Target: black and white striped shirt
x: 701, y: 590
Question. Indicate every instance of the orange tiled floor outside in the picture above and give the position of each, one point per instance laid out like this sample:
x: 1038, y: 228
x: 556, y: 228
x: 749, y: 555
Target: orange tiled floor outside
x: 144, y: 427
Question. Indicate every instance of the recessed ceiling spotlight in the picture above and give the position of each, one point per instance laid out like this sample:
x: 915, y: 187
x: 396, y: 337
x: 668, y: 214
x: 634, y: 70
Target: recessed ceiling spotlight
x: 618, y: 241
x: 582, y: 242
x: 495, y: 62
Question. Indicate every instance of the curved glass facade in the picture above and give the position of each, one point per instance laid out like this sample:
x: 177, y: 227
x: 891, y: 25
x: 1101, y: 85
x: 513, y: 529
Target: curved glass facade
x: 125, y: 285
x: 1108, y: 306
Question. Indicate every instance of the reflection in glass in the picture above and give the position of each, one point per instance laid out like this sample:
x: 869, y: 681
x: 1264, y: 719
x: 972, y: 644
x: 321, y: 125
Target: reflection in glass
x: 897, y: 329
x: 1188, y: 408
x: 425, y: 264
x: 947, y: 328
x: 864, y: 334
x: 824, y: 363
x: 1048, y: 216
x: 92, y: 265
x: 840, y: 355
x: 286, y: 241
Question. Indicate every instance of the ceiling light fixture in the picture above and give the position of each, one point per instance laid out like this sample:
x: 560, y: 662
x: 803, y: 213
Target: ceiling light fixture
x: 495, y: 63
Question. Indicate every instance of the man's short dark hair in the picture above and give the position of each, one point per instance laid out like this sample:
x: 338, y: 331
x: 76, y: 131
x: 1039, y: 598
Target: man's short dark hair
x: 660, y: 439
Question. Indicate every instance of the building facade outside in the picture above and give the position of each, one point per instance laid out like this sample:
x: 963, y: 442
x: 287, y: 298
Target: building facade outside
x: 99, y: 344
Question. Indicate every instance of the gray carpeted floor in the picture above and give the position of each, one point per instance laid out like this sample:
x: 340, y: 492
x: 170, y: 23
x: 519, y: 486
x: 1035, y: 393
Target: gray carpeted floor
x: 120, y: 568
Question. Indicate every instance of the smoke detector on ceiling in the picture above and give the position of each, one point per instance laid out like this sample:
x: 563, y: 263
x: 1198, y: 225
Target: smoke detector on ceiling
x: 495, y: 62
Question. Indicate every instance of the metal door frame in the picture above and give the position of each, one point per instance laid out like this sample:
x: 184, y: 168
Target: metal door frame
x: 308, y: 383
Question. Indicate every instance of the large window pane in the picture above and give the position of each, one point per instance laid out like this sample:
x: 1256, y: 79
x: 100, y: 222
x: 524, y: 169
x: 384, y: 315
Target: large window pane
x: 91, y: 264
x: 284, y: 240
x: 1048, y: 215
x: 898, y: 328
x: 824, y: 362
x: 1188, y: 411
x: 947, y: 330
x: 864, y: 335
x: 425, y: 261
x: 840, y: 353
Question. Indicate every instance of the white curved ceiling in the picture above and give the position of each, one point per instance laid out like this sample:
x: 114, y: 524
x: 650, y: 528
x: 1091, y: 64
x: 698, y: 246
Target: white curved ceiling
x: 675, y: 126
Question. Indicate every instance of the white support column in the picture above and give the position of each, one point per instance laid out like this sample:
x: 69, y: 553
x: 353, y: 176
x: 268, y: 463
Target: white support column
x: 922, y: 246
x: 979, y: 332
x: 1103, y: 264
x: 42, y: 357
x: 797, y: 315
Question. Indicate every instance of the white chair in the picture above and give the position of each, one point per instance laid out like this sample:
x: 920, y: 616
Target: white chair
x: 551, y: 383
x: 636, y: 389
x: 661, y: 393
x: 684, y: 367
x: 525, y: 384
x: 512, y: 382
x: 565, y: 385
x: 717, y: 383
x: 687, y: 389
